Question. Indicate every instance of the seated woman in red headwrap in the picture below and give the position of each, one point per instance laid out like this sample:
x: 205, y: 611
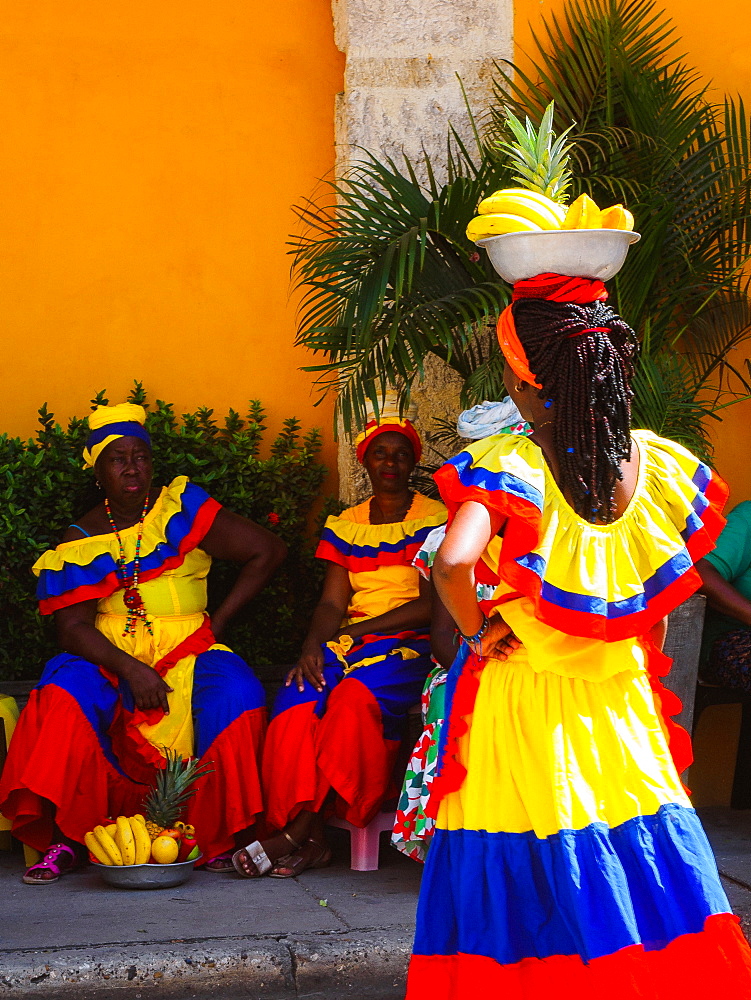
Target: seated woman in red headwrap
x: 336, y: 725
x: 142, y: 669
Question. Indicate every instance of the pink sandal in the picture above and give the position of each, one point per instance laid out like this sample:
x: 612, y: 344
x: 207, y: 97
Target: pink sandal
x: 221, y: 864
x: 50, y: 863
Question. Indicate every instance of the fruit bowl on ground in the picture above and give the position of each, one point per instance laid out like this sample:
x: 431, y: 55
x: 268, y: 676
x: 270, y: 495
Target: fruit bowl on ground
x: 583, y: 253
x: 147, y: 876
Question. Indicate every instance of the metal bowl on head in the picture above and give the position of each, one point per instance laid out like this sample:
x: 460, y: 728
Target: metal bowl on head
x: 582, y: 253
x: 147, y: 876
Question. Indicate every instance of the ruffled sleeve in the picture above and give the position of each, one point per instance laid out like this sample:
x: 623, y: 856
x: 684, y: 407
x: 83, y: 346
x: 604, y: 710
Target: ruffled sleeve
x: 85, y: 569
x: 691, y: 493
x: 609, y: 582
x: 506, y: 474
x: 350, y: 541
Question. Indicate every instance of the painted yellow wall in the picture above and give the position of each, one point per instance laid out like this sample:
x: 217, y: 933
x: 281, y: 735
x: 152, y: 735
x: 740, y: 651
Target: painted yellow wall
x: 718, y: 47
x: 150, y: 156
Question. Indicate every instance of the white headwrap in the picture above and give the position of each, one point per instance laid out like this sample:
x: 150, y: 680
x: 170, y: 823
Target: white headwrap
x: 490, y: 418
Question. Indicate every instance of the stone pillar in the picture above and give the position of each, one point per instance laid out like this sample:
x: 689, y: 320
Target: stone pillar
x: 400, y: 93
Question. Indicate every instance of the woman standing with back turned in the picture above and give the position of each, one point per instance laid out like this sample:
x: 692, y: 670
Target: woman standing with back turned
x: 567, y: 860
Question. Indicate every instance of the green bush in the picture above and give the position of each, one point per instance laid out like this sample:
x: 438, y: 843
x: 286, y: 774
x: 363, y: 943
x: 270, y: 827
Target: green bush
x: 44, y: 488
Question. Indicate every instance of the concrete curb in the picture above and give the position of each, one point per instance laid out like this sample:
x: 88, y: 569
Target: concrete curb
x: 272, y: 967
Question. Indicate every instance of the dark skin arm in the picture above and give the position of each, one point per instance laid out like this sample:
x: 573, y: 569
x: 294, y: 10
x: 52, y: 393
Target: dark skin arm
x: 721, y: 595
x: 77, y: 634
x: 454, y: 577
x: 443, y: 640
x: 230, y: 537
x: 326, y: 624
x: 242, y: 541
x: 659, y: 632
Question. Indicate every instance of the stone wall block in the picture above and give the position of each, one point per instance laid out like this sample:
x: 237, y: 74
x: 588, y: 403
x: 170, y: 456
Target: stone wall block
x: 401, y: 93
x: 413, y: 24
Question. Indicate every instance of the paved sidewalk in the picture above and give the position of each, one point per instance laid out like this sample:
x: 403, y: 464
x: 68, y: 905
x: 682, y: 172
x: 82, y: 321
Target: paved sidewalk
x: 329, y: 930
x: 331, y: 933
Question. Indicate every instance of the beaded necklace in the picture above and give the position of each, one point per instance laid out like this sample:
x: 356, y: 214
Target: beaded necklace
x: 131, y: 598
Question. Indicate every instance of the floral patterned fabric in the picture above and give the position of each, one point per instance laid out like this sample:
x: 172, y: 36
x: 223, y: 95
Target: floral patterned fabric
x: 412, y: 828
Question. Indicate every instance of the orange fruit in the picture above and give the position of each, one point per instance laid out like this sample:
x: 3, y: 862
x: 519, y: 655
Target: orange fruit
x: 617, y: 217
x: 171, y: 831
x: 164, y: 850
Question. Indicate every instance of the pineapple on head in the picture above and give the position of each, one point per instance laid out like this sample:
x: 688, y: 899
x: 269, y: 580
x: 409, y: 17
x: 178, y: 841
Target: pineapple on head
x: 173, y: 786
x: 539, y: 162
x: 539, y: 159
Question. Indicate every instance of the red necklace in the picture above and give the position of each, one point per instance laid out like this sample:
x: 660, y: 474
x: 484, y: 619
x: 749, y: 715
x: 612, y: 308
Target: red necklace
x: 132, y: 597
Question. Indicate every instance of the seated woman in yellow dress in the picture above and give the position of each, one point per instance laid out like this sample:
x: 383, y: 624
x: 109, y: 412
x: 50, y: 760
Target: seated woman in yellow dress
x: 336, y: 725
x: 142, y: 667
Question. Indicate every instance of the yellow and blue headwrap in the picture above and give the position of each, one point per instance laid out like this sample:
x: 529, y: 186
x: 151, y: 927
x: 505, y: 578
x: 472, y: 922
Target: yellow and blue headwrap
x: 108, y: 423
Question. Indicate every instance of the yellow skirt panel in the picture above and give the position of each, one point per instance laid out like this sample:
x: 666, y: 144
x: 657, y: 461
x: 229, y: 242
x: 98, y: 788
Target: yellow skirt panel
x: 546, y: 752
x: 175, y: 730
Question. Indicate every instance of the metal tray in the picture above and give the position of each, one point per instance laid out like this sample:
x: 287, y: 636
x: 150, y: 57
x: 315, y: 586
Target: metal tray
x: 147, y: 876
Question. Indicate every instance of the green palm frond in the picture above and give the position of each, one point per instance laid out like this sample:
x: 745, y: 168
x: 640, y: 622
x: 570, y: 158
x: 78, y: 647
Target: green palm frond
x: 667, y: 401
x: 388, y: 276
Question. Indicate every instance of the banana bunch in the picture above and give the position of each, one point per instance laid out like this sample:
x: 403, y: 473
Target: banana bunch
x: 519, y: 210
x: 515, y: 210
x: 124, y: 842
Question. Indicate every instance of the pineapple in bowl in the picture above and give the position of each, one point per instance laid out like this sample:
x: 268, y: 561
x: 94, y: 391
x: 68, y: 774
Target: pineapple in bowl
x: 174, y: 850
x: 530, y: 229
x: 173, y: 787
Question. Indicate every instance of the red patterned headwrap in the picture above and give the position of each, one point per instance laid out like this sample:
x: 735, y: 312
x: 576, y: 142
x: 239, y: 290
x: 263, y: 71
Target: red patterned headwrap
x: 555, y: 288
x: 373, y: 428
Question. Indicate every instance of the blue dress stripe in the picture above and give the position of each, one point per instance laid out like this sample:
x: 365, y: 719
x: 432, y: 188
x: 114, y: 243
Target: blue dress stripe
x: 536, y: 898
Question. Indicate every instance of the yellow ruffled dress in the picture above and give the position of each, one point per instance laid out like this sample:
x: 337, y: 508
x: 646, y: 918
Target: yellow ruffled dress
x: 346, y: 736
x: 82, y: 744
x: 567, y: 860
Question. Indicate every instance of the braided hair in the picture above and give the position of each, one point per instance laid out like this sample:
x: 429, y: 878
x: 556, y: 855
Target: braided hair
x: 588, y: 375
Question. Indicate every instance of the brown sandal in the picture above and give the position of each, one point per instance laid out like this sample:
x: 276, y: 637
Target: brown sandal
x: 294, y: 864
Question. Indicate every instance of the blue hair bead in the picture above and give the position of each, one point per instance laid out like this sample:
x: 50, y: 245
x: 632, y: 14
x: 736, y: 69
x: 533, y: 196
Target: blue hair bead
x: 548, y: 403
x: 570, y: 451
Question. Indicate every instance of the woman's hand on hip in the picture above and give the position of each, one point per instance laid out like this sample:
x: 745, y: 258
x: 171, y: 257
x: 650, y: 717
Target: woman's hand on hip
x: 499, y: 641
x: 149, y: 689
x: 309, y: 668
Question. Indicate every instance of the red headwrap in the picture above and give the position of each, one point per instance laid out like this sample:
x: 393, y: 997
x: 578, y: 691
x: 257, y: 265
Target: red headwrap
x: 373, y: 428
x: 554, y: 288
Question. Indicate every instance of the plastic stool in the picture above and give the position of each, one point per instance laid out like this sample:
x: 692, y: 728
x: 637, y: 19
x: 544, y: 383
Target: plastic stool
x: 364, y: 841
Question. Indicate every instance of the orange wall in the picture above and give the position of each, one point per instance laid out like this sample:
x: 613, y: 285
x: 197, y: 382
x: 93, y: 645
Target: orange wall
x: 718, y: 47
x: 150, y: 156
